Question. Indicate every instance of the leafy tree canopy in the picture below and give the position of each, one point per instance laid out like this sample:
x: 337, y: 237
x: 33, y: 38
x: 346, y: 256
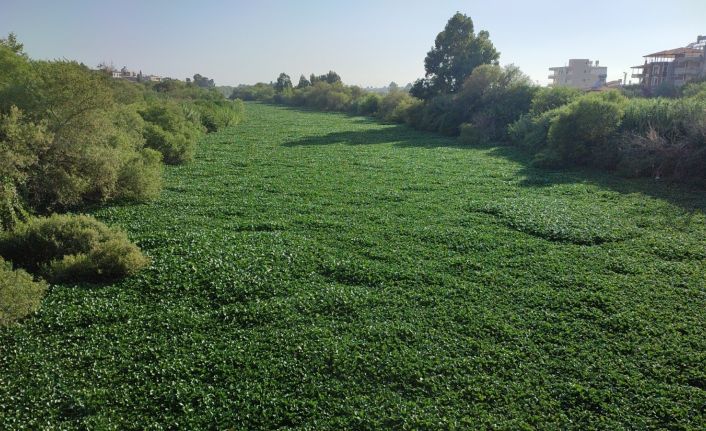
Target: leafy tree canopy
x: 203, y: 82
x: 283, y: 84
x: 331, y: 77
x: 456, y: 52
x: 13, y: 44
x: 303, y: 82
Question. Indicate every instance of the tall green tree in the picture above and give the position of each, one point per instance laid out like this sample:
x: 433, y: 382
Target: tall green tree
x: 283, y: 84
x: 303, y: 82
x: 456, y: 52
x: 203, y: 82
x: 331, y: 77
x: 13, y: 44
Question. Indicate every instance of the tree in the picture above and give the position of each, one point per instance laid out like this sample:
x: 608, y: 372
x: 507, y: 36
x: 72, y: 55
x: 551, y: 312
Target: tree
x: 203, y: 82
x: 283, y: 84
x: 331, y: 77
x: 456, y: 52
x: 303, y: 82
x: 393, y: 87
x: 13, y: 44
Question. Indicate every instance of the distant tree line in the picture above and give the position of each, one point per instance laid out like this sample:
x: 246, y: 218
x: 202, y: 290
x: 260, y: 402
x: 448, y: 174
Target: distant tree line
x: 466, y: 93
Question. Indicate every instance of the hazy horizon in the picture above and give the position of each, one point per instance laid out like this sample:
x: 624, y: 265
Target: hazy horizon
x: 367, y: 43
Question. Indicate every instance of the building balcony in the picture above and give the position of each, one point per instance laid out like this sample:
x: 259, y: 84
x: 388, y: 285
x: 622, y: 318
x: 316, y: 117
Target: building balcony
x: 637, y: 75
x: 687, y: 71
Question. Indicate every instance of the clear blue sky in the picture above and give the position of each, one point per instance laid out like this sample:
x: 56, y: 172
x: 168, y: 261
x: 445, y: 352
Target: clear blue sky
x: 367, y: 42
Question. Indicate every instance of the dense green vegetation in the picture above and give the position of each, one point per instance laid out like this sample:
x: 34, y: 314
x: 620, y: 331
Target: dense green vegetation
x: 465, y: 92
x: 320, y: 271
x: 69, y: 248
x: 20, y: 294
x: 71, y: 137
x: 662, y: 138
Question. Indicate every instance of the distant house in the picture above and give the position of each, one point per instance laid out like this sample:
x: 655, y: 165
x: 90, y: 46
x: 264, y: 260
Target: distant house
x: 580, y: 73
x: 673, y: 66
x: 129, y: 75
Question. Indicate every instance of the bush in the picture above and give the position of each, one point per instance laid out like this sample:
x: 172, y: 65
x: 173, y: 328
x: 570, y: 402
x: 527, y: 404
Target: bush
x: 530, y: 132
x: 368, y: 104
x: 649, y: 154
x: 60, y: 150
x: 260, y: 91
x: 393, y: 107
x: 472, y: 135
x: 672, y: 119
x: 695, y: 90
x: 140, y: 178
x: 580, y: 134
x: 80, y: 164
x: 174, y: 148
x: 547, y: 99
x: 170, y: 132
x: 215, y: 116
x: 12, y: 210
x: 20, y: 295
x: 72, y: 247
x: 439, y: 114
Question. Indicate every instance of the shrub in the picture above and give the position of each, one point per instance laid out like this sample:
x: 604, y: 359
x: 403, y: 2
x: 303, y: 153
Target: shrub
x: 170, y: 132
x: 78, y: 164
x: 20, y: 295
x: 439, y: 114
x: 12, y: 210
x: 672, y: 119
x: 368, y: 104
x: 547, y: 99
x: 580, y: 133
x: 530, y: 132
x: 393, y: 107
x: 333, y: 99
x: 60, y: 150
x: 215, y: 116
x: 472, y: 135
x: 695, y: 90
x: 649, y: 154
x: 72, y: 247
x: 174, y: 148
x: 260, y: 91
x: 140, y: 177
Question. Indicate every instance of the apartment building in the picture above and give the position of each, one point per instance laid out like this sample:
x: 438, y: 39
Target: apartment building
x: 580, y: 73
x: 673, y: 66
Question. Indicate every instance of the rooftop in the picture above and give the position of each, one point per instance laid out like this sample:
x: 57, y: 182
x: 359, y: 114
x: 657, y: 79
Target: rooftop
x: 674, y: 52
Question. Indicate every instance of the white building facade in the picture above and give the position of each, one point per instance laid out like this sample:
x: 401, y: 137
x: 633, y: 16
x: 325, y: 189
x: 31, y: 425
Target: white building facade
x: 580, y: 73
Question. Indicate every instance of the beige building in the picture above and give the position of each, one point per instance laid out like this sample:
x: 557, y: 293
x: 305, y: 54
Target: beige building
x: 580, y: 73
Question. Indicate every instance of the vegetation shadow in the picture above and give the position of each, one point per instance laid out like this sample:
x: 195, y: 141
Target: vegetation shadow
x: 687, y: 197
x: 395, y: 134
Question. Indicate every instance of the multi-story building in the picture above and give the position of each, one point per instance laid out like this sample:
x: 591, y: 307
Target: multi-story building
x: 580, y: 73
x: 674, y: 67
